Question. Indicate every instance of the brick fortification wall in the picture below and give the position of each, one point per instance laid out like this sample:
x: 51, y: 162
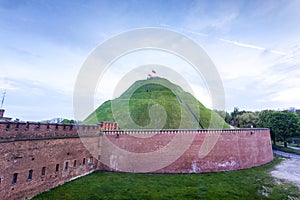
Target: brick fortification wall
x: 54, y: 154
x: 185, y: 151
x: 36, y: 157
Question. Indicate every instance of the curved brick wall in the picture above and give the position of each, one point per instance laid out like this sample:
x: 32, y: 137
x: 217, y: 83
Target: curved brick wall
x: 232, y: 150
x: 36, y: 146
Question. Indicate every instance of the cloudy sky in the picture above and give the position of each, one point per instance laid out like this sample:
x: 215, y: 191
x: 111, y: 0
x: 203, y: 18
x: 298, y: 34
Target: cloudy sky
x: 255, y: 46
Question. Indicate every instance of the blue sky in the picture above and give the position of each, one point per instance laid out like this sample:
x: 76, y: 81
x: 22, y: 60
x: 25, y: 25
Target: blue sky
x: 255, y: 46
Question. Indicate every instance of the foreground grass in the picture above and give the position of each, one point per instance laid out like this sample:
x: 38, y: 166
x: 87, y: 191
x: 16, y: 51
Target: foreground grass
x: 287, y: 150
x: 255, y: 183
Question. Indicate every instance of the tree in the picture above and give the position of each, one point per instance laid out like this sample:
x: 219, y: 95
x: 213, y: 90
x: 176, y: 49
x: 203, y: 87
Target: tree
x: 298, y: 112
x: 247, y: 120
x: 235, y: 115
x: 265, y: 121
x: 68, y: 121
x: 225, y: 115
x: 285, y: 125
x: 282, y: 124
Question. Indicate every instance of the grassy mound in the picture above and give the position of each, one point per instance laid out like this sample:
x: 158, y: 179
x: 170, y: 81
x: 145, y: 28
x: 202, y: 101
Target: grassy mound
x: 156, y: 104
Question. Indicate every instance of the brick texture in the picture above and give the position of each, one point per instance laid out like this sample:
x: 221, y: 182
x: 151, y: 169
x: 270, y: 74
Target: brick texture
x: 49, y: 151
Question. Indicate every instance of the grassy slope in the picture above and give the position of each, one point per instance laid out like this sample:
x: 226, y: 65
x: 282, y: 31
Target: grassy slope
x: 243, y: 184
x: 145, y: 93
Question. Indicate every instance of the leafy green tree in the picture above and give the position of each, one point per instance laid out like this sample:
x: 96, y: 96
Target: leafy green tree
x: 265, y: 121
x: 247, y: 120
x: 225, y: 115
x: 298, y: 112
x: 68, y: 121
x: 282, y: 124
x: 235, y: 115
x: 285, y: 125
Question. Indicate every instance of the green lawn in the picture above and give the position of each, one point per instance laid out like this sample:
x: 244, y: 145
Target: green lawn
x: 243, y: 184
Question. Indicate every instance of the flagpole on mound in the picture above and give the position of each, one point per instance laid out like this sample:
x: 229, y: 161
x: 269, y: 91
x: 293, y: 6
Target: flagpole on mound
x: 3, y: 97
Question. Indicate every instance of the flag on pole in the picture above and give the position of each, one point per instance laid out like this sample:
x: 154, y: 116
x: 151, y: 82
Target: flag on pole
x: 3, y: 98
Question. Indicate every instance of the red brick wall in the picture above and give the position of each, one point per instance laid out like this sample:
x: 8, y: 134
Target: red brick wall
x: 109, y: 125
x: 32, y: 146
x: 229, y: 150
x: 23, y: 149
x: 22, y: 130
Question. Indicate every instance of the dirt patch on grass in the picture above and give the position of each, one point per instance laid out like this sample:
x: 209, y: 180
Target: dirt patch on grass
x: 288, y: 170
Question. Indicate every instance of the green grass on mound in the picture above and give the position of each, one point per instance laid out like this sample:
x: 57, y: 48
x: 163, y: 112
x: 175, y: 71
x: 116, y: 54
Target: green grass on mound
x: 255, y: 183
x: 132, y: 110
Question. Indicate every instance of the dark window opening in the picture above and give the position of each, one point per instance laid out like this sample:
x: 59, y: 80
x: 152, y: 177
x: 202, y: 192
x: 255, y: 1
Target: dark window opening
x: 83, y: 162
x: 38, y: 126
x: 57, y: 168
x: 43, y: 171
x: 29, y: 178
x: 74, y: 163
x: 7, y: 126
x: 67, y: 166
x: 15, y: 177
x: 27, y: 126
x: 17, y: 126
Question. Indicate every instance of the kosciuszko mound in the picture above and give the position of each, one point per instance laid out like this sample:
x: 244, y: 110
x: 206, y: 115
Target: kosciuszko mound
x: 156, y: 103
x: 178, y: 141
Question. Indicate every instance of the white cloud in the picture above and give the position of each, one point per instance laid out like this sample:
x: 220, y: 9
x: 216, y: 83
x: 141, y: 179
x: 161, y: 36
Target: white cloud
x: 265, y: 59
x: 136, y: 66
x: 203, y: 95
x: 221, y: 16
x: 58, y: 72
x: 288, y: 96
x: 251, y: 46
